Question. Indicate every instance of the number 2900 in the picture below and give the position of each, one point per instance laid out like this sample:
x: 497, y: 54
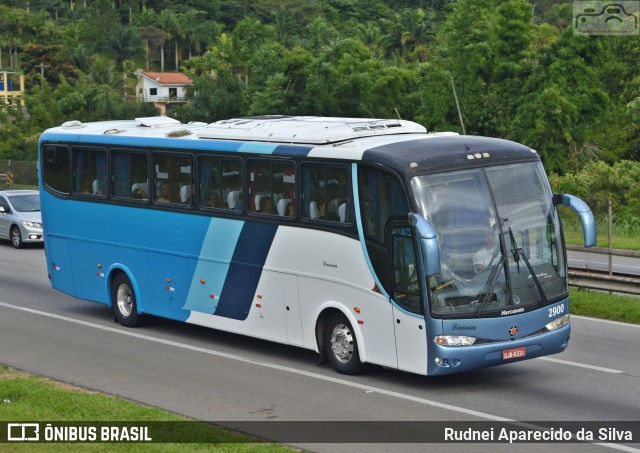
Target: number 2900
x: 555, y: 311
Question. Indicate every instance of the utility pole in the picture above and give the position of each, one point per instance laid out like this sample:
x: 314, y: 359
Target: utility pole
x: 42, y: 66
x: 610, y: 238
x: 455, y: 95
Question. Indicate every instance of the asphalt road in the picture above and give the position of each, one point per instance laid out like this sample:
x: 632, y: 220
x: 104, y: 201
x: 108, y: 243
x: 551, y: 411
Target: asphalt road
x: 216, y: 376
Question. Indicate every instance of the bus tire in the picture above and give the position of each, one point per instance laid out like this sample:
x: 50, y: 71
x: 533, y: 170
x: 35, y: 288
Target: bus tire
x: 341, y: 345
x: 124, y: 302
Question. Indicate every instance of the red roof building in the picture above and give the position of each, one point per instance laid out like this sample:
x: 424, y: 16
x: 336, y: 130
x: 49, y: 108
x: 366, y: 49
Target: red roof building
x: 163, y: 89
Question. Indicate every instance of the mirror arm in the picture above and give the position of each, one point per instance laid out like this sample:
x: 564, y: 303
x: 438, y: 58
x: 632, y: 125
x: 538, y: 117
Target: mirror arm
x: 584, y: 214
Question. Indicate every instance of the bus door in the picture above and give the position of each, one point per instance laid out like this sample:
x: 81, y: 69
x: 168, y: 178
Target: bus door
x: 408, y: 307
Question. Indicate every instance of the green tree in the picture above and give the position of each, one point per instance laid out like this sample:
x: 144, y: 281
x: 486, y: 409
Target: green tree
x: 12, y: 24
x: 97, y: 24
x: 213, y: 98
x: 146, y: 22
x: 48, y: 62
x: 168, y: 23
x: 125, y: 45
x: 465, y: 52
x: 563, y: 99
x: 598, y: 182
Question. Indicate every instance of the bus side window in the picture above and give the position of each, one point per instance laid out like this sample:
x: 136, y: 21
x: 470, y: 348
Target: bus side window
x: 406, y: 284
x: 56, y: 168
x: 90, y: 174
x: 129, y: 175
x: 220, y: 183
x: 382, y: 199
x: 326, y: 193
x: 210, y: 196
x: 269, y: 184
x: 173, y: 179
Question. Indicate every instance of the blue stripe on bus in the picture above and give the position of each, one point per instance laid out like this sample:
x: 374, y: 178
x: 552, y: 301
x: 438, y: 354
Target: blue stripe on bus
x: 245, y: 270
x: 292, y: 150
x: 190, y: 144
x: 213, y: 264
x: 257, y: 148
x: 146, y: 142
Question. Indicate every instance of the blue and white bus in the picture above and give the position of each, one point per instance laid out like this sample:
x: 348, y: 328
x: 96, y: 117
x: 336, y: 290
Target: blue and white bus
x: 367, y: 241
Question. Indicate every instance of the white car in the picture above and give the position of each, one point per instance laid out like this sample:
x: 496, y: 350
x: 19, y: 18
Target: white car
x: 20, y: 219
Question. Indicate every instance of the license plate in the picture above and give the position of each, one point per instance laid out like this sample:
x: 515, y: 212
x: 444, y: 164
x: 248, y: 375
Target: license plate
x: 515, y: 353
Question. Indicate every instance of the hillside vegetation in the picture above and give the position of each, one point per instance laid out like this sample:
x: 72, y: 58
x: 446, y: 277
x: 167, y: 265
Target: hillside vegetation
x: 517, y: 68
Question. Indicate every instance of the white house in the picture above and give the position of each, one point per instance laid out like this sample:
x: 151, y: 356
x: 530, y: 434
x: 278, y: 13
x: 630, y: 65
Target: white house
x: 163, y: 89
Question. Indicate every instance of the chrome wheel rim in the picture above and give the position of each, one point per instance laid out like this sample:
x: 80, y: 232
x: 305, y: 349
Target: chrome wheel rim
x: 124, y: 299
x: 342, y: 343
x: 16, y: 237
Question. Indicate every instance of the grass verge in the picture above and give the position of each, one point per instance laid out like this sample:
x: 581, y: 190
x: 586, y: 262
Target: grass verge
x: 606, y: 306
x: 625, y: 234
x: 18, y: 187
x: 25, y: 397
x: 574, y: 236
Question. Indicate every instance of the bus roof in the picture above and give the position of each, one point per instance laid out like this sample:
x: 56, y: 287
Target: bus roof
x: 402, y: 145
x: 306, y: 129
x: 298, y: 130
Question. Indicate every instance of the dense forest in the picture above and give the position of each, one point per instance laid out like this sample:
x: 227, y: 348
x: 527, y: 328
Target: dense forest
x: 517, y: 68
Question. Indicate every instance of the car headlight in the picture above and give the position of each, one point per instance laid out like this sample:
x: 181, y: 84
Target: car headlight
x: 32, y: 224
x: 454, y: 340
x: 557, y: 323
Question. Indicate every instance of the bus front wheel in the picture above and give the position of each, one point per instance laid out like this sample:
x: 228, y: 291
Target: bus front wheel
x: 123, y: 299
x: 341, y: 345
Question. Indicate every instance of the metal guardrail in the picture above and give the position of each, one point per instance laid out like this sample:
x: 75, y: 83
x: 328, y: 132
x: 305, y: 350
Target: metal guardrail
x: 613, y: 283
x: 7, y: 178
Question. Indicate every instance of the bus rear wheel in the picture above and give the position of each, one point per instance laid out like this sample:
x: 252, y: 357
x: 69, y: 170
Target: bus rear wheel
x: 123, y: 300
x: 341, y: 345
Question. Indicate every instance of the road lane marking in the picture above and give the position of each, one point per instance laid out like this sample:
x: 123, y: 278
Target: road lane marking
x: 581, y: 365
x: 286, y: 369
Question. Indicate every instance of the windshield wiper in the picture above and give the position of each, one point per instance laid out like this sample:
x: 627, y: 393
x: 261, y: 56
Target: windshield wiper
x: 492, y: 281
x: 517, y: 252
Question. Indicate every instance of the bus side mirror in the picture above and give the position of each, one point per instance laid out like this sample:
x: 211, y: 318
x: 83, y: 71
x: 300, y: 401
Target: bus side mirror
x: 428, y: 240
x: 584, y: 214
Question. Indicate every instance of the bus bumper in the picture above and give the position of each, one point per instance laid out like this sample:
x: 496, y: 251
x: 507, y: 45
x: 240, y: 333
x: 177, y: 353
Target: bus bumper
x: 455, y: 359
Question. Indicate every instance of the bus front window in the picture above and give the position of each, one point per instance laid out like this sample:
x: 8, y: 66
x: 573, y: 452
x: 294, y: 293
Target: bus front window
x: 499, y: 236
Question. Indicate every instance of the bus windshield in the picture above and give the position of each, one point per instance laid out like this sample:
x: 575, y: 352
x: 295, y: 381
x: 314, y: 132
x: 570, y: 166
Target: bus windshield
x: 501, y: 248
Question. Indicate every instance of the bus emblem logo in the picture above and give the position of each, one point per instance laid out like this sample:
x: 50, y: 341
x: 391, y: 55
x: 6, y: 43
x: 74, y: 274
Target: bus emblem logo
x: 513, y: 331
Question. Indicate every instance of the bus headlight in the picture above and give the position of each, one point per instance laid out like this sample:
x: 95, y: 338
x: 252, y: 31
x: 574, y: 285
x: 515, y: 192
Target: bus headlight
x: 557, y: 323
x: 454, y: 340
